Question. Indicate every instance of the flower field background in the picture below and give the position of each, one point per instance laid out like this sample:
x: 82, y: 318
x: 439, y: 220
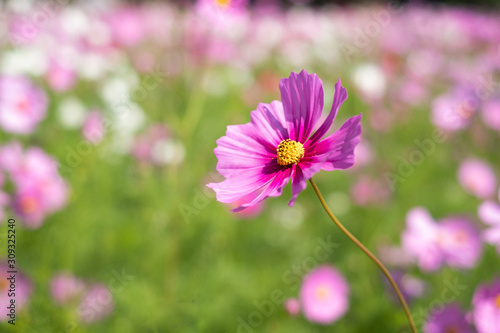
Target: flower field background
x: 109, y: 115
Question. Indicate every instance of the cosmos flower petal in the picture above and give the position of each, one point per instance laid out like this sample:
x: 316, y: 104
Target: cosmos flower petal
x: 339, y: 98
x: 273, y: 189
x: 244, y: 182
x: 270, y: 119
x: 303, y: 99
x: 242, y: 148
x: 337, y: 150
x: 489, y: 213
x: 299, y: 183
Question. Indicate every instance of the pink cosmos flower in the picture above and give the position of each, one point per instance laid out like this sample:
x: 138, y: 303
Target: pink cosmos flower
x: 60, y: 76
x: 292, y: 306
x: 454, y: 111
x: 451, y: 319
x: 23, y: 291
x: 477, y: 178
x: 221, y: 13
x: 454, y: 241
x: 127, y: 25
x: 97, y: 303
x: 486, y: 308
x: 491, y: 114
x: 259, y: 158
x: 39, y: 189
x: 489, y: 213
x: 411, y: 287
x: 65, y: 288
x: 22, y: 104
x: 93, y: 128
x: 324, y: 295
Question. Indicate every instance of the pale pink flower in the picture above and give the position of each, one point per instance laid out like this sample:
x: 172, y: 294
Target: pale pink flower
x: 93, y: 128
x: 65, y: 288
x: 22, y: 104
x: 23, y: 289
x: 477, y: 178
x: 324, y: 295
x: 97, y: 303
x: 292, y: 306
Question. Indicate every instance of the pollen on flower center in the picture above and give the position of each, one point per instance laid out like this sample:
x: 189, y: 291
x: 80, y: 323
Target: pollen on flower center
x: 497, y: 301
x: 222, y: 3
x: 289, y: 152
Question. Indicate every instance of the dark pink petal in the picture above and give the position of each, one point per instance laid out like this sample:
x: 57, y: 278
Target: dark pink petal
x: 270, y: 120
x: 303, y: 172
x: 337, y: 150
x: 302, y: 97
x: 339, y: 98
x: 243, y: 148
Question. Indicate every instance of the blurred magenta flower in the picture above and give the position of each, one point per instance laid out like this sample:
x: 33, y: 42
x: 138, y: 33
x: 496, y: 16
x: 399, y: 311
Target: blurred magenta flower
x: 39, y: 189
x: 93, y: 128
x: 324, y: 295
x: 259, y: 158
x: 97, y: 303
x: 221, y: 13
x: 452, y: 112
x: 411, y: 287
x: 292, y: 306
x: 489, y: 213
x: 65, y: 288
x: 60, y: 76
x: 127, y: 25
x: 477, y: 178
x: 23, y: 289
x: 454, y: 241
x: 486, y: 308
x: 451, y: 319
x: 22, y: 104
x: 491, y: 113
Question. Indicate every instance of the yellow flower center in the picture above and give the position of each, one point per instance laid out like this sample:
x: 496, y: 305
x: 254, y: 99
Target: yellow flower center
x: 289, y: 152
x: 497, y: 301
x: 322, y: 293
x: 222, y: 3
x: 28, y: 205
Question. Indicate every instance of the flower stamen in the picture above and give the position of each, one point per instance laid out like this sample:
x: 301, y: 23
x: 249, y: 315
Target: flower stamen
x: 497, y: 301
x: 289, y: 152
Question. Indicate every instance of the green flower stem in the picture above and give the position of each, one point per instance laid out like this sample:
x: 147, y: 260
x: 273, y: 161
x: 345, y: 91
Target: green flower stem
x: 369, y: 254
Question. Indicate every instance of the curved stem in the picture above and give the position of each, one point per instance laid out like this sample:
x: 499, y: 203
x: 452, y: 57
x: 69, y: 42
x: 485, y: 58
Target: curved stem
x: 369, y: 254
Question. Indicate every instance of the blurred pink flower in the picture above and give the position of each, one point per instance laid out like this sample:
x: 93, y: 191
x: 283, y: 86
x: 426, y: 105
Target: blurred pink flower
x: 324, y: 295
x: 93, y: 128
x: 491, y: 113
x: 39, y: 189
x: 65, y: 288
x: 97, y: 303
x: 22, y: 104
x: 452, y: 112
x: 4, y: 198
x: 477, y: 178
x: 23, y: 289
x: 411, y: 287
x: 451, y: 319
x: 60, y: 77
x: 454, y: 241
x: 127, y: 25
x: 489, y: 213
x: 486, y: 308
x: 221, y: 13
x: 292, y: 306
x: 460, y: 242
